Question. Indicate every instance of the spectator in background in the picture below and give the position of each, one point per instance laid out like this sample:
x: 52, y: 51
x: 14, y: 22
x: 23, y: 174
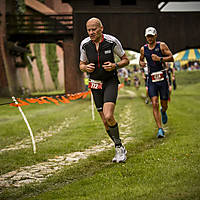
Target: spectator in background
x: 145, y: 77
x: 171, y: 78
x: 86, y: 81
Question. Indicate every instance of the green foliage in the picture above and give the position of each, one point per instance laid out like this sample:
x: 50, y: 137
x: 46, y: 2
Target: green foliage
x: 130, y: 55
x: 30, y: 69
x: 40, y: 66
x: 21, y: 7
x: 52, y: 61
x: 187, y: 77
x: 28, y: 64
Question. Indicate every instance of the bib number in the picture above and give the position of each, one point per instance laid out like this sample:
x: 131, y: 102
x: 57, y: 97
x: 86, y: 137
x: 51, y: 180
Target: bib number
x: 94, y: 84
x: 157, y: 76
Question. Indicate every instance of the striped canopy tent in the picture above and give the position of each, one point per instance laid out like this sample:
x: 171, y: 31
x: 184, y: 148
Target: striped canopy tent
x: 187, y: 55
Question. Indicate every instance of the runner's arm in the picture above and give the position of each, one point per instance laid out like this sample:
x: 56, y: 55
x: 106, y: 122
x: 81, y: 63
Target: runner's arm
x: 168, y: 57
x: 123, y: 62
x: 84, y: 67
x: 141, y: 61
x: 173, y: 73
x: 108, y: 66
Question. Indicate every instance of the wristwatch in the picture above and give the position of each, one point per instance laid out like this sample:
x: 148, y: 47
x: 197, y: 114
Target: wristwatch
x: 116, y: 66
x: 161, y: 59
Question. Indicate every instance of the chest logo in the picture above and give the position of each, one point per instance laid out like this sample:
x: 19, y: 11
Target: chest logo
x: 107, y: 51
x: 157, y: 49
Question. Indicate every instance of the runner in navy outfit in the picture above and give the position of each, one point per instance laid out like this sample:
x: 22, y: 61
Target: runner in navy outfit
x: 156, y: 54
x: 97, y: 58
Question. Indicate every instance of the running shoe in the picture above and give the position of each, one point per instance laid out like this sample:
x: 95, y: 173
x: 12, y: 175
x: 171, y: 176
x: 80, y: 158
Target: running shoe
x: 120, y: 155
x: 147, y: 100
x: 163, y: 116
x: 161, y: 133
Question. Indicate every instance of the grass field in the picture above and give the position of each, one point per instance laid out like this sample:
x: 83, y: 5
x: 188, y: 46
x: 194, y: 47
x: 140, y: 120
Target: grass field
x: 156, y: 169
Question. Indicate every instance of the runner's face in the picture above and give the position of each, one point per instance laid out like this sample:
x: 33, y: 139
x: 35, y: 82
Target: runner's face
x: 151, y: 39
x: 94, y: 31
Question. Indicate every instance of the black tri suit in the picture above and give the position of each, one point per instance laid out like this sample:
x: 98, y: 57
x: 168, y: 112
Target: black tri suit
x: 109, y: 79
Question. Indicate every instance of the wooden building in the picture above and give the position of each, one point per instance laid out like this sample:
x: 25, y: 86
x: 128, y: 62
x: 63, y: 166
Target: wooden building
x: 125, y: 19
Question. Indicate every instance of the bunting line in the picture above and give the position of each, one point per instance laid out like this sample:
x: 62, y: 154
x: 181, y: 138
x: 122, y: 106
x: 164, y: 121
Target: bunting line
x: 52, y: 99
x: 49, y: 99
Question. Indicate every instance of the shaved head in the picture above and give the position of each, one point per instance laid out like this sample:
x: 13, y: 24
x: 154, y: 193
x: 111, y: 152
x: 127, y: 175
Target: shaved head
x: 95, y: 21
x: 94, y: 28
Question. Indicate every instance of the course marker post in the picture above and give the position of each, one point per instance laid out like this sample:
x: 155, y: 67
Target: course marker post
x: 26, y: 121
x: 92, y: 105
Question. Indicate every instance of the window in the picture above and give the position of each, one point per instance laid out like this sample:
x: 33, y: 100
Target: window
x: 128, y: 2
x: 101, y: 2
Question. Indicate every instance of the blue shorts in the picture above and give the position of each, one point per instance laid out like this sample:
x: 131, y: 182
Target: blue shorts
x: 160, y: 88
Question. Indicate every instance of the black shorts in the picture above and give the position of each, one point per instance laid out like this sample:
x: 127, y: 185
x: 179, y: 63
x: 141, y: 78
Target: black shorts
x: 158, y: 88
x: 108, y: 93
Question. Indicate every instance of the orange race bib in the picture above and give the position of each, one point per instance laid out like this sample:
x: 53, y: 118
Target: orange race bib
x: 94, y: 84
x: 157, y: 76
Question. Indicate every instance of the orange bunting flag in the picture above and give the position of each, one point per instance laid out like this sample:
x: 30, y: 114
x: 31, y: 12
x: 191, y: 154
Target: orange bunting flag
x: 39, y: 100
x: 73, y: 97
x: 121, y: 86
x: 63, y: 100
x: 14, y: 104
x: 48, y: 100
x: 23, y: 103
x: 85, y: 94
x: 52, y: 99
x: 32, y: 100
x: 20, y: 103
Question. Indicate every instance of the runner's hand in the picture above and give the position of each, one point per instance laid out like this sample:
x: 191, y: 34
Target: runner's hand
x: 90, y: 67
x: 142, y: 64
x: 155, y: 57
x: 108, y: 66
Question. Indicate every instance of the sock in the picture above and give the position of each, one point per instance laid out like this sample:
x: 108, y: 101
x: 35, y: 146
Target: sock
x: 114, y: 133
x: 108, y: 131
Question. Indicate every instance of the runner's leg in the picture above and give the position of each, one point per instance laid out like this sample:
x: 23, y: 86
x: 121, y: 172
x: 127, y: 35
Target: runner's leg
x: 156, y: 111
x: 164, y: 104
x: 108, y: 110
x: 105, y: 124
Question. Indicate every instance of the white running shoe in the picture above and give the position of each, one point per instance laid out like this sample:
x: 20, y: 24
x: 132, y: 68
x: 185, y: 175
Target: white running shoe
x: 147, y: 100
x: 120, y: 155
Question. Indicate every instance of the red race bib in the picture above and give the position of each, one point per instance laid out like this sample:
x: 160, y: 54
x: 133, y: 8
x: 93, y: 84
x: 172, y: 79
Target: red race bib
x: 157, y: 76
x: 94, y: 84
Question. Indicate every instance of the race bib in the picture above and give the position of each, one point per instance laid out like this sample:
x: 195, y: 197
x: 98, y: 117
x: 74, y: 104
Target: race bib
x: 94, y: 84
x: 157, y: 76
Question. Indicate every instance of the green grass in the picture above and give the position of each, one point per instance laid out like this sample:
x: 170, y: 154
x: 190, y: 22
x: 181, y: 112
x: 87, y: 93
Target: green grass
x: 165, y: 169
